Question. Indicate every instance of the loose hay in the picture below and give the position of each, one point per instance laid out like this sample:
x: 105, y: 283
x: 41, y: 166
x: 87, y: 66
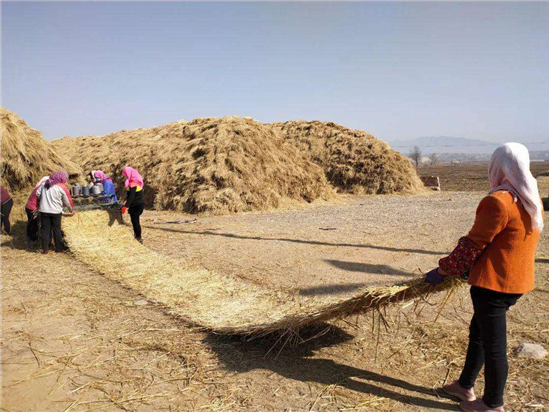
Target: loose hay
x: 223, y: 304
x: 353, y: 160
x: 209, y: 165
x: 26, y: 156
x: 234, y: 164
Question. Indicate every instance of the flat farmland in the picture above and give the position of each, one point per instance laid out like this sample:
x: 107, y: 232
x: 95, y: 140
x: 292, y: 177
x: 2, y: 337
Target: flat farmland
x: 469, y: 176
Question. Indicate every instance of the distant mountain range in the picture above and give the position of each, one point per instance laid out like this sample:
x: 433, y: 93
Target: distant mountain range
x: 460, y: 148
x: 444, y: 144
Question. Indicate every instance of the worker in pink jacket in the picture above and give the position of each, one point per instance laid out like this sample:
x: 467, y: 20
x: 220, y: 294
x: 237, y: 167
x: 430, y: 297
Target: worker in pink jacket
x: 7, y: 204
x: 31, y: 208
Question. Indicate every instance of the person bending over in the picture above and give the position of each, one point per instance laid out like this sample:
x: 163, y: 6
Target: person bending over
x: 108, y: 186
x: 52, y: 197
x: 7, y: 204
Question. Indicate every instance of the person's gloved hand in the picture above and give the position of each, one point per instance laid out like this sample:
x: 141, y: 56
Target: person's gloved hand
x: 123, y: 210
x: 434, y: 277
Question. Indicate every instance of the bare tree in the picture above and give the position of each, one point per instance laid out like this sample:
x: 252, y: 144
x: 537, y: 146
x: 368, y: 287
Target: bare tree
x: 415, y: 155
x: 433, y: 159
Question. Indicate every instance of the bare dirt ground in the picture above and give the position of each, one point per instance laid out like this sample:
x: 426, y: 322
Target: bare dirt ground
x: 325, y: 250
x: 75, y: 341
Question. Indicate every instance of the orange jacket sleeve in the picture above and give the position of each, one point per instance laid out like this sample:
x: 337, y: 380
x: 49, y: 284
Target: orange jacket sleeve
x: 490, y: 220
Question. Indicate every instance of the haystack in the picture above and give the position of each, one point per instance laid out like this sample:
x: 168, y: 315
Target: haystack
x: 220, y: 303
x: 209, y: 165
x: 26, y: 156
x: 353, y: 160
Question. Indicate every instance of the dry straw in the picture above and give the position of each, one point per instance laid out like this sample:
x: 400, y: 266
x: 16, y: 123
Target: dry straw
x: 26, y: 156
x: 353, y: 160
x: 235, y: 164
x: 209, y: 165
x: 217, y: 302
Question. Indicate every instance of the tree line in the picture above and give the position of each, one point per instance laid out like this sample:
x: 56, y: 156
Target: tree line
x: 415, y: 155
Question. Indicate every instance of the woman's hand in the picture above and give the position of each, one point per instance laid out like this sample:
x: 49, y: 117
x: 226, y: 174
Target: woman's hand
x: 434, y: 277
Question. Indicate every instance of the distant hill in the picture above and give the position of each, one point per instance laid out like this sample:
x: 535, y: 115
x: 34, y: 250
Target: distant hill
x: 445, y: 144
x: 462, y: 149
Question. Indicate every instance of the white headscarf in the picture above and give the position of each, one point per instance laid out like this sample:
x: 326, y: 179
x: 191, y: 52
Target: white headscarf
x: 510, y: 170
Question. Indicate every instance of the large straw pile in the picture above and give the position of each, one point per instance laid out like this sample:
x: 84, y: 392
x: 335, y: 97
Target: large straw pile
x: 212, y: 300
x: 26, y: 156
x: 210, y: 165
x: 353, y: 160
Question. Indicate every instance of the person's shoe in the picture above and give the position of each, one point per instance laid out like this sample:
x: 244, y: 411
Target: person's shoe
x: 478, y: 405
x: 455, y: 389
x: 45, y: 252
x: 139, y: 240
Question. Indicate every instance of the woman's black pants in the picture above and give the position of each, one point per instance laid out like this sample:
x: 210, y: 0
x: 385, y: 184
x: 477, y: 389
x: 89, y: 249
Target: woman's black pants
x: 32, y: 225
x: 51, y: 221
x: 488, y: 343
x: 135, y: 212
x: 6, y: 210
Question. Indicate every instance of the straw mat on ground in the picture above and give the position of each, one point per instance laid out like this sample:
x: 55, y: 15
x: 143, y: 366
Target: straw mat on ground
x: 223, y: 304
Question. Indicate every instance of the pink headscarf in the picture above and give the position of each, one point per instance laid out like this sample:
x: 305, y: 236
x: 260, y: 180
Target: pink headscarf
x: 133, y: 178
x: 101, y: 176
x: 510, y: 170
x: 60, y: 176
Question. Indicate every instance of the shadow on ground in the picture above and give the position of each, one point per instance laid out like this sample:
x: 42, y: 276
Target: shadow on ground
x: 304, y: 241
x: 297, y: 363
x: 353, y: 267
x: 18, y: 238
x: 331, y: 289
x: 368, y: 268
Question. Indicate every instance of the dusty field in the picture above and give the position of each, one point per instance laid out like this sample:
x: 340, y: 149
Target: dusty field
x: 75, y: 341
x: 323, y: 251
x: 470, y: 176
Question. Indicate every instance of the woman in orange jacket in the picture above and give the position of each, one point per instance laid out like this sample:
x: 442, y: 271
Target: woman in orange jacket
x: 499, y: 254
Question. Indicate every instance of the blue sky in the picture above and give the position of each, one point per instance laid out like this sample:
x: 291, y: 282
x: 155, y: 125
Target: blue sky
x: 397, y: 70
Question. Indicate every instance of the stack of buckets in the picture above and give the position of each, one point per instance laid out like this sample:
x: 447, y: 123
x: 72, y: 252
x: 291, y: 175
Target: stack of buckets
x: 85, y: 191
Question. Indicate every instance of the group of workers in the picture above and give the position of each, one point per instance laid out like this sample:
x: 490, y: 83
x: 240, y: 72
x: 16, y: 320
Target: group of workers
x: 498, y: 255
x: 51, y: 195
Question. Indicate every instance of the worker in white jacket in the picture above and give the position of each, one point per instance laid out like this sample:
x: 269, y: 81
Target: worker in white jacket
x: 51, y: 200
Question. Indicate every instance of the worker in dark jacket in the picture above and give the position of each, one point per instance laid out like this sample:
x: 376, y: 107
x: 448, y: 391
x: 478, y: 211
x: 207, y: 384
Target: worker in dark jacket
x: 134, y: 202
x: 7, y: 204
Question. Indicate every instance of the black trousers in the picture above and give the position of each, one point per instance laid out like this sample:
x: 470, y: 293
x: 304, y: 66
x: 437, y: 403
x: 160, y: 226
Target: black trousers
x: 51, y: 222
x: 32, y: 225
x: 135, y: 212
x: 488, y: 343
x: 6, y: 210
